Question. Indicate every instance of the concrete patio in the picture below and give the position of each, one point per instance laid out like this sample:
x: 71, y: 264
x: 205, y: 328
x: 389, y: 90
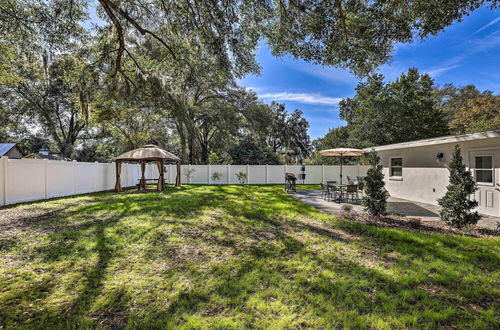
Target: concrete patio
x: 426, y: 212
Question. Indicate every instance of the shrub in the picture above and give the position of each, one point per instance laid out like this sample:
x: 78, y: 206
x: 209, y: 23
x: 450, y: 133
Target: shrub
x: 346, y: 207
x: 242, y: 177
x: 375, y: 200
x: 415, y: 222
x: 254, y: 152
x: 456, y: 203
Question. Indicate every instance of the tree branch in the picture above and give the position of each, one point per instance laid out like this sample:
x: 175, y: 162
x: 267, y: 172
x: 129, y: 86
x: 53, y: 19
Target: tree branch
x: 132, y: 21
x: 119, y: 31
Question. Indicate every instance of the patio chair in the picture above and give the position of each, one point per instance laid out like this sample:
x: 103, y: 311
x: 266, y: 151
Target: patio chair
x: 350, y: 180
x: 352, y: 192
x: 360, y: 178
x: 324, y: 190
x: 361, y: 186
x: 335, y: 192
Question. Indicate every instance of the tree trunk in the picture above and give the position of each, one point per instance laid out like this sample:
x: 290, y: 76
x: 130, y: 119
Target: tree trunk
x: 182, y: 138
x: 192, y: 150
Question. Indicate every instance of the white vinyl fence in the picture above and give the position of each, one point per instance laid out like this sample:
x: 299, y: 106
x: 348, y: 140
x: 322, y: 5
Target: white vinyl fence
x: 23, y: 180
x: 263, y: 174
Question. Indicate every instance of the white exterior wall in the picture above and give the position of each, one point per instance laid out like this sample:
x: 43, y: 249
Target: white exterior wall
x: 424, y: 179
x: 23, y: 180
x: 3, y: 166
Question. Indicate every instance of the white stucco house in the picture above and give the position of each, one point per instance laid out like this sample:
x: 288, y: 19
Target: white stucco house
x: 417, y: 170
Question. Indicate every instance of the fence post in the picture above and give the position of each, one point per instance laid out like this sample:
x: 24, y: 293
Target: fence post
x: 74, y: 177
x: 248, y: 174
x: 209, y: 173
x: 5, y: 161
x: 228, y: 171
x: 267, y: 173
x: 322, y: 173
x: 46, y: 175
x: 96, y: 176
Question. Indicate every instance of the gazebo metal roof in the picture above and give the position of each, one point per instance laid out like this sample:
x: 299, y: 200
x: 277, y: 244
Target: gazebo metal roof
x: 149, y: 152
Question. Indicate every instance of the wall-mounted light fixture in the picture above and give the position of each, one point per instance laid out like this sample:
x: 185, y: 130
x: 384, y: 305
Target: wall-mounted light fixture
x: 439, y: 157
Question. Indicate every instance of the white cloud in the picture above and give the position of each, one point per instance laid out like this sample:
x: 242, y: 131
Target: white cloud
x: 309, y: 98
x: 331, y: 74
x: 436, y: 72
x: 492, y: 40
x: 256, y: 89
x: 496, y: 20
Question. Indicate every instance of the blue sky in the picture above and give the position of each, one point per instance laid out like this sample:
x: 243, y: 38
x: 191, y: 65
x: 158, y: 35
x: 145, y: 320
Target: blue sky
x: 467, y: 52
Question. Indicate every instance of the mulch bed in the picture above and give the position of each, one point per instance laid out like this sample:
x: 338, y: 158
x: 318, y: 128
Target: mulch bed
x: 417, y: 225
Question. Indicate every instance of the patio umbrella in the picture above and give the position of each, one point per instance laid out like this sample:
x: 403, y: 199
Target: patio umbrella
x: 341, y: 152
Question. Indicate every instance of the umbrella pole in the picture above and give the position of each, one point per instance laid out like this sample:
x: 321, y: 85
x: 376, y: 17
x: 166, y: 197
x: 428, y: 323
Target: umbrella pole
x: 341, y: 158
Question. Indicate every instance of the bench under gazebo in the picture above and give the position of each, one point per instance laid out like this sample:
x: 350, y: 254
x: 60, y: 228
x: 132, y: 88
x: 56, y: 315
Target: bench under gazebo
x: 148, y: 154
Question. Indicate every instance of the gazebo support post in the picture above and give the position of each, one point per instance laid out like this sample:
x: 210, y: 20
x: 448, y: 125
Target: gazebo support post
x: 161, y: 181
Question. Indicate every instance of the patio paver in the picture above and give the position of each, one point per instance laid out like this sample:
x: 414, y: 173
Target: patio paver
x: 427, y: 212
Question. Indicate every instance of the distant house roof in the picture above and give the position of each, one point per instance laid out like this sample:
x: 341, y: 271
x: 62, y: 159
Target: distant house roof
x: 5, y: 148
x: 38, y: 155
x: 439, y: 140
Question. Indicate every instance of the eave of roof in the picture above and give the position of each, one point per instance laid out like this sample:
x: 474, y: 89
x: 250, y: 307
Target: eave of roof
x: 439, y: 140
x: 38, y: 155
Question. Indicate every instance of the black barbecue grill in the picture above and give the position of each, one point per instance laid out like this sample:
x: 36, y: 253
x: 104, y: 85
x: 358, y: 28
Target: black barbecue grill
x: 290, y: 182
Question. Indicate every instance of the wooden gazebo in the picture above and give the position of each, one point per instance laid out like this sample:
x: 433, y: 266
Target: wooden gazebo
x: 147, y: 154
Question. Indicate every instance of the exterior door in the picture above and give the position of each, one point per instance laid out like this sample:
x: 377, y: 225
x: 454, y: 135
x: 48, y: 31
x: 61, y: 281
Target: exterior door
x: 485, y: 166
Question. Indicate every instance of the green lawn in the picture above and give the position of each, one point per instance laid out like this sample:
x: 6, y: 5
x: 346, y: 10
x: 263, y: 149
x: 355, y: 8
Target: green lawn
x: 233, y: 257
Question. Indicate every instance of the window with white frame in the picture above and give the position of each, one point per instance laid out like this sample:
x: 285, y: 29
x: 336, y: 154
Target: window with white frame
x: 483, y: 169
x: 396, y: 167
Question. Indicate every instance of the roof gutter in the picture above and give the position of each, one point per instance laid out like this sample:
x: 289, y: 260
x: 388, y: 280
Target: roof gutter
x: 439, y: 140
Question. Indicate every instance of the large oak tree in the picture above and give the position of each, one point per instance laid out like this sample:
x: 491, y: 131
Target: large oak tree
x: 383, y: 113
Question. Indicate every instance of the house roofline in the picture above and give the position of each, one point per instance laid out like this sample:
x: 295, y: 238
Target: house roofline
x: 439, y: 140
x: 8, y: 150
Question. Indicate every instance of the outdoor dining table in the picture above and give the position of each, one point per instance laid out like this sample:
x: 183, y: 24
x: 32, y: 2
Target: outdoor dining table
x: 340, y: 187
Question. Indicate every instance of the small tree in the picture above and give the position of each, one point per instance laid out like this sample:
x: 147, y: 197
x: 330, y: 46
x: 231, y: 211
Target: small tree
x: 242, y: 177
x: 456, y: 203
x: 188, y: 173
x: 216, y: 176
x: 213, y: 159
x: 375, y: 201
